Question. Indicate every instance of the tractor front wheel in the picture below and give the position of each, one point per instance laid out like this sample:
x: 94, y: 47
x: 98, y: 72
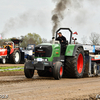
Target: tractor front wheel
x: 58, y: 70
x: 28, y: 72
x: 3, y: 60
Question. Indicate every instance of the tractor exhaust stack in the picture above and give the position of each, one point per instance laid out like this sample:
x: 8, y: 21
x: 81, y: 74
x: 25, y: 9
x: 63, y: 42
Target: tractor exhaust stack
x: 53, y: 40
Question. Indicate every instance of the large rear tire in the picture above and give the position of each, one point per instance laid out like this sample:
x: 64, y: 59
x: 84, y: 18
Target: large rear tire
x: 28, y: 72
x: 58, y: 70
x: 74, y: 66
x: 15, y: 57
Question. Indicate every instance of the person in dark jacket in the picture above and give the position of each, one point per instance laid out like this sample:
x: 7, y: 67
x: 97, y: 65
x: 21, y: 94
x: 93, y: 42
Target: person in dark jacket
x: 61, y: 38
x: 62, y: 41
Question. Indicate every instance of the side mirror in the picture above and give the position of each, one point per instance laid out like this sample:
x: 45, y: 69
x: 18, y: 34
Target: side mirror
x: 75, y: 38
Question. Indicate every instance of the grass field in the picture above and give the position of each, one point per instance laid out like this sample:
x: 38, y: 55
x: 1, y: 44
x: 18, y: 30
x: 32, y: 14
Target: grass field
x: 12, y: 68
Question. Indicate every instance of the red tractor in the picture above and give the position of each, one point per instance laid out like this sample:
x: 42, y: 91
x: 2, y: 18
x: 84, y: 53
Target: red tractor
x: 11, y: 52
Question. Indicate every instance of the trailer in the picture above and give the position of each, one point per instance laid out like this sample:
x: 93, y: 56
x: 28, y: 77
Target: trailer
x: 92, y: 60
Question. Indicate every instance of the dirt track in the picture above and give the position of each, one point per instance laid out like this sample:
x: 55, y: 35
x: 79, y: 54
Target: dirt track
x: 9, y: 65
x: 44, y: 88
x: 17, y: 87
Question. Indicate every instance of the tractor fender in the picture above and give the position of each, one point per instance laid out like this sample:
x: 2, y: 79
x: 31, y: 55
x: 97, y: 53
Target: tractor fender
x: 12, y: 50
x: 75, y: 48
x: 71, y: 49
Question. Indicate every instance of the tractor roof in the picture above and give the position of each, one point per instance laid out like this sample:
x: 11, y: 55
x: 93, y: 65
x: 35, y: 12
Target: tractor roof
x: 16, y: 41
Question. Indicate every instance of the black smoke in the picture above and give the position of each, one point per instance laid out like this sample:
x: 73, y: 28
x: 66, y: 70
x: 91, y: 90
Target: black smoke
x: 58, y: 13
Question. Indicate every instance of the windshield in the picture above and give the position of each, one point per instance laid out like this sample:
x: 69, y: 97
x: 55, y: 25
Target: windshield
x: 30, y: 47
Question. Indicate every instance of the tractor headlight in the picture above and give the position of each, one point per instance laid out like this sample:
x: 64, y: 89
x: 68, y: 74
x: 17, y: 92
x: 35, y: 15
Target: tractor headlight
x: 35, y: 59
x: 45, y: 59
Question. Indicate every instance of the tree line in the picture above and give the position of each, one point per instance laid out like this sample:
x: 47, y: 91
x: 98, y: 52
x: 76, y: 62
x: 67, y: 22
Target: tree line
x: 93, y: 39
x: 30, y: 38
x: 33, y: 38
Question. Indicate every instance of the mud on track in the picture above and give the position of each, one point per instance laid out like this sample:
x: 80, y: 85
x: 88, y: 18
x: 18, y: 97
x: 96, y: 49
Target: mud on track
x: 9, y: 65
x: 18, y: 87
x: 46, y: 88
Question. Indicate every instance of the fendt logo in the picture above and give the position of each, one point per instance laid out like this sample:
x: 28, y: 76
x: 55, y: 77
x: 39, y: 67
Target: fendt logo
x: 40, y: 46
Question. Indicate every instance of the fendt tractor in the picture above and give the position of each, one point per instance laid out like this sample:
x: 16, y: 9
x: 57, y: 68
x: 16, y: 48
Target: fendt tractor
x: 77, y: 60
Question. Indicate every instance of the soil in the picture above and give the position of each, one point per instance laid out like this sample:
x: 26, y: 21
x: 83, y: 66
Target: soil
x: 12, y: 73
x: 9, y: 65
x: 17, y: 87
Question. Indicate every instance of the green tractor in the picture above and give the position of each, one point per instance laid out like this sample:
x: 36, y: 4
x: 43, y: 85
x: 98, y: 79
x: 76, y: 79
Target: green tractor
x: 49, y: 61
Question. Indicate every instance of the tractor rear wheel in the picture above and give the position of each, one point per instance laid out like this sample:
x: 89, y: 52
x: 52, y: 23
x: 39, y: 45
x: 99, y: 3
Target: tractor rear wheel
x: 74, y: 66
x: 28, y: 72
x: 15, y: 57
x: 58, y: 70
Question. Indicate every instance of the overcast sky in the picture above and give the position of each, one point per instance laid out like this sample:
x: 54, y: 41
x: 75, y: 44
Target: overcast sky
x: 19, y: 17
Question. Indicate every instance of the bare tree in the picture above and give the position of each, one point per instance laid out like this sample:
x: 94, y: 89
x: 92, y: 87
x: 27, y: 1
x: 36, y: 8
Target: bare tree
x: 84, y: 39
x: 50, y: 41
x: 94, y: 38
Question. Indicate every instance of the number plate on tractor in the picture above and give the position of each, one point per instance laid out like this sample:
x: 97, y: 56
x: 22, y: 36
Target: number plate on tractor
x: 39, y: 59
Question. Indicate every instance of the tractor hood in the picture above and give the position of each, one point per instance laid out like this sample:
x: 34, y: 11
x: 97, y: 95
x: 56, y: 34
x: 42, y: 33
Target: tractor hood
x: 43, y: 50
x: 3, y: 52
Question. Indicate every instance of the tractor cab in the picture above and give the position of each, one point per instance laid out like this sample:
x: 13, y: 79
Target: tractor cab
x: 67, y: 33
x: 8, y: 43
x: 17, y: 42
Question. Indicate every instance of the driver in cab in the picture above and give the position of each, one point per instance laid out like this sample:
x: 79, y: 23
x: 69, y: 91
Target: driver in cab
x: 62, y: 41
x: 61, y: 38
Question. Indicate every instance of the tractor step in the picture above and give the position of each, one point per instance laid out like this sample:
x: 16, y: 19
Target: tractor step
x: 62, y: 58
